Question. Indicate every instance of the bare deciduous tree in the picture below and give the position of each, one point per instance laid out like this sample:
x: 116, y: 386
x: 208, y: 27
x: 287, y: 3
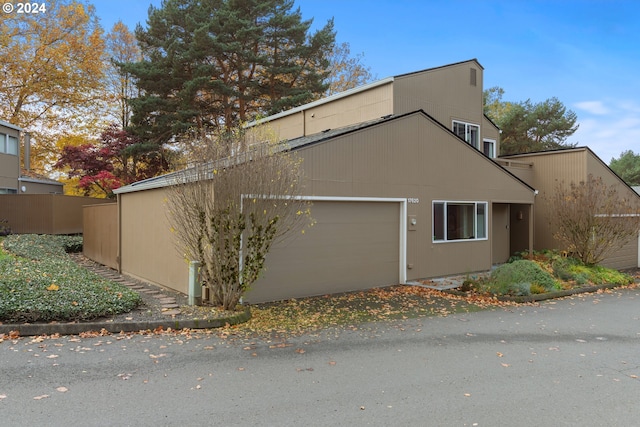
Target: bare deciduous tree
x: 593, y: 219
x: 228, y: 209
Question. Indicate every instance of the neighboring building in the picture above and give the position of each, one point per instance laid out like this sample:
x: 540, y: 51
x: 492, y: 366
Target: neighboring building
x: 30, y: 202
x: 404, y: 182
x: 9, y: 158
x: 13, y: 179
x: 35, y: 183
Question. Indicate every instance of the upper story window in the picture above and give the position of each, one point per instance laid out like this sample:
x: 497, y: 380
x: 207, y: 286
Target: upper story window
x: 469, y: 132
x: 8, y: 191
x: 489, y: 148
x: 8, y: 144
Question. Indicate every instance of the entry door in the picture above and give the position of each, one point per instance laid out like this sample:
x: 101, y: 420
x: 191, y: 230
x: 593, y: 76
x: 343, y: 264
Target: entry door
x: 500, y: 233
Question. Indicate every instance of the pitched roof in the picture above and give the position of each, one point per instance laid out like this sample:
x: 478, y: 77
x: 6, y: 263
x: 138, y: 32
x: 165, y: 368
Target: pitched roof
x: 292, y: 144
x: 440, y: 67
x: 304, y: 141
x: 10, y: 126
x: 31, y: 176
x: 322, y: 101
x: 352, y: 91
x: 572, y: 149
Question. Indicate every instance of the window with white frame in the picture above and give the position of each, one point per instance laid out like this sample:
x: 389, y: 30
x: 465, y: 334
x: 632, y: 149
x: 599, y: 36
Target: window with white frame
x: 489, y: 147
x: 8, y: 191
x: 8, y: 144
x: 12, y: 145
x: 459, y: 221
x: 469, y: 132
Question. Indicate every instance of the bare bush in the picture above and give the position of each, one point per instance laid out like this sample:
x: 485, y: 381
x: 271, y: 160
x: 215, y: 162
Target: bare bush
x: 226, y: 211
x: 593, y: 219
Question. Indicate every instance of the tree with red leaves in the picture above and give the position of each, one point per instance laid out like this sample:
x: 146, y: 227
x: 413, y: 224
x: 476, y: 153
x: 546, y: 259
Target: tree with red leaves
x: 118, y: 159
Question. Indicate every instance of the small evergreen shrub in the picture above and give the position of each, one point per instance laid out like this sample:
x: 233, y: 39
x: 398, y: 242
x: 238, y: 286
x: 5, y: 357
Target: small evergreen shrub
x: 467, y: 286
x: 568, y: 269
x: 519, y: 289
x: 71, y: 244
x: 542, y: 272
x: 537, y: 289
x: 5, y: 230
x: 516, y: 278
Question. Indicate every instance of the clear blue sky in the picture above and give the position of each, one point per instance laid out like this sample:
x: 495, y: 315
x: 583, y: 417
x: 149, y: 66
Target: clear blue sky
x: 585, y: 53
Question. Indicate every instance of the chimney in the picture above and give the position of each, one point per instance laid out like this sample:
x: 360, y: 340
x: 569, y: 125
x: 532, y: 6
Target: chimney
x: 27, y: 151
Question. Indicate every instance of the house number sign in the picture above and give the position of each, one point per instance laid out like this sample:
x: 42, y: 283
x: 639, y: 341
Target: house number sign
x: 413, y: 200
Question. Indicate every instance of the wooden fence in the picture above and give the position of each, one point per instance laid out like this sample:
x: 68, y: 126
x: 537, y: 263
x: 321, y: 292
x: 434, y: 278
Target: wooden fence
x: 101, y: 234
x: 44, y: 213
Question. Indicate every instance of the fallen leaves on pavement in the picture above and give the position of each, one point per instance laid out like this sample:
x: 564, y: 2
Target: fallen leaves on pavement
x: 302, y: 315
x: 297, y: 316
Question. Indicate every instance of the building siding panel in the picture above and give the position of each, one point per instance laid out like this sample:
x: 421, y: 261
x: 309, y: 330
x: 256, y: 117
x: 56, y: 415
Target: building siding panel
x: 574, y: 165
x: 404, y: 158
x: 444, y: 93
x: 147, y: 248
x: 357, y: 108
x: 353, y: 246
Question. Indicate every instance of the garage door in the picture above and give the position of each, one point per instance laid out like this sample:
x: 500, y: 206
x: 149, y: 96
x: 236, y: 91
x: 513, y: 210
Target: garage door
x: 352, y: 246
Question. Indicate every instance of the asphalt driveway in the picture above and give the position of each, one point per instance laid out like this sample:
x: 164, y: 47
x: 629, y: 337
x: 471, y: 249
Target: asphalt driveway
x: 574, y: 361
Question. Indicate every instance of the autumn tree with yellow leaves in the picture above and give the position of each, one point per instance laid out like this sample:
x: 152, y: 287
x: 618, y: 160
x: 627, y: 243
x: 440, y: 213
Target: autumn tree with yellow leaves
x: 52, y: 73
x: 121, y: 47
x: 345, y: 70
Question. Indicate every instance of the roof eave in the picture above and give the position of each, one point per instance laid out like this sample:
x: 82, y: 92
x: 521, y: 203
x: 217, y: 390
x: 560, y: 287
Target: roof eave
x: 10, y: 126
x: 40, y: 181
x: 323, y: 101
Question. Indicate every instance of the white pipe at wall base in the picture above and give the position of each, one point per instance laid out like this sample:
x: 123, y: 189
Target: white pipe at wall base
x: 195, y: 289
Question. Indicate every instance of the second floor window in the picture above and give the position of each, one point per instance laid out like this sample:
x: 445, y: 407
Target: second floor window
x: 469, y: 132
x: 489, y: 147
x: 8, y: 144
